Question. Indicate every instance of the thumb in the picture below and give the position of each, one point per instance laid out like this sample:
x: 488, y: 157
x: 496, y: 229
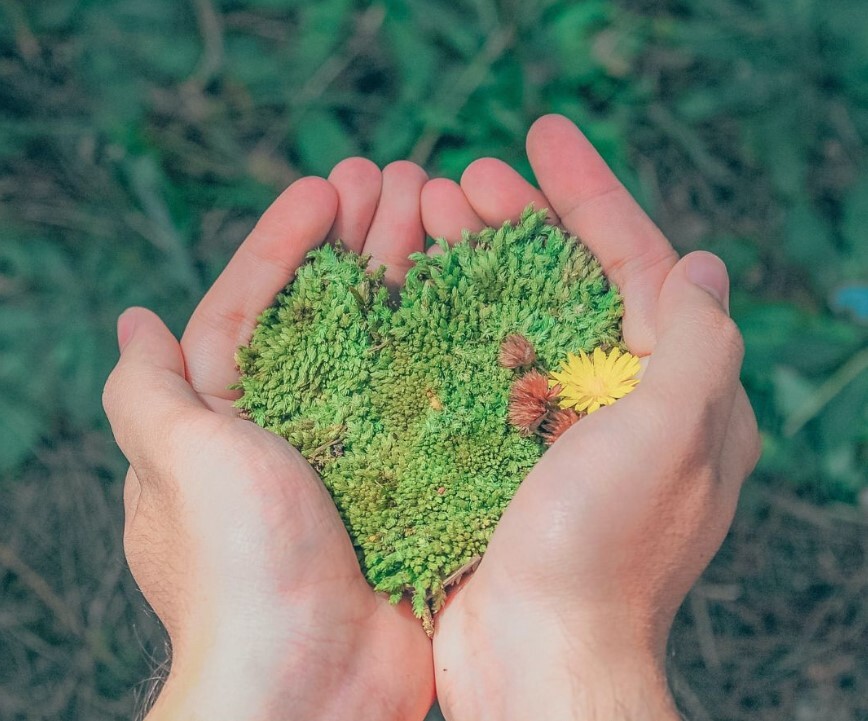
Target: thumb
x: 147, y: 388
x: 694, y: 369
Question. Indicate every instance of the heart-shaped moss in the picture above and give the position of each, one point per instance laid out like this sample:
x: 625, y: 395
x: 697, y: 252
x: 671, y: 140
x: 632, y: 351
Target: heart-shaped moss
x: 403, y: 409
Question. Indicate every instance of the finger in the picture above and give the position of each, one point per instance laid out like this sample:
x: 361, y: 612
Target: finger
x: 446, y: 212
x: 498, y: 193
x: 693, y: 374
x: 147, y: 389
x: 595, y: 206
x: 358, y: 182
x: 296, y: 222
x: 396, y: 230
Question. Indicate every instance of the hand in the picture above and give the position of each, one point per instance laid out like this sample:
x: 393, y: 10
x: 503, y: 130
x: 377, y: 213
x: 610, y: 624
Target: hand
x: 230, y: 534
x: 569, y: 612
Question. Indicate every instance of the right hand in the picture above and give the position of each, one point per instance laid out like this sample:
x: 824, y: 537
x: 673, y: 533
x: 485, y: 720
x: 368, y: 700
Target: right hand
x: 569, y: 611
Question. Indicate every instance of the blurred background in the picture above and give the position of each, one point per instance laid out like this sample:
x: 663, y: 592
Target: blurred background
x: 140, y: 140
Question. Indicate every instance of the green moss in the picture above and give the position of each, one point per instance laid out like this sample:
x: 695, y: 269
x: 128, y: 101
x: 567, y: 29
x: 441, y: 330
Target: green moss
x: 402, y: 409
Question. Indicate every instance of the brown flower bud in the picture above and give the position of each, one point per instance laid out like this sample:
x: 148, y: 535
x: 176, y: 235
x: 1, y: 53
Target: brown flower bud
x: 516, y: 351
x: 529, y: 401
x: 556, y: 423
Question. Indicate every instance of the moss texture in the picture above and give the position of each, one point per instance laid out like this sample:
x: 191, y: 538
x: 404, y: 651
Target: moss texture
x: 402, y: 408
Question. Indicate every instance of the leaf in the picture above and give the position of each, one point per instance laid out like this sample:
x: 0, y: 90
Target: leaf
x: 792, y: 389
x: 808, y: 241
x: 740, y: 254
x: 21, y: 426
x: 52, y: 16
x: 784, y: 154
x: 150, y: 187
x: 323, y: 26
x: 571, y: 33
x: 855, y: 226
x: 765, y: 329
x: 842, y: 425
x: 396, y: 133
x: 322, y: 140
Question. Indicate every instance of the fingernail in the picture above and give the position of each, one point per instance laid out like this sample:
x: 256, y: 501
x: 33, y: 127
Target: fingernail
x: 709, y: 272
x: 126, y: 327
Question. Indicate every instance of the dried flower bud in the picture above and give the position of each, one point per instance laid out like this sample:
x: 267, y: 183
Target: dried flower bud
x: 529, y: 401
x: 516, y: 351
x: 433, y: 400
x: 556, y: 422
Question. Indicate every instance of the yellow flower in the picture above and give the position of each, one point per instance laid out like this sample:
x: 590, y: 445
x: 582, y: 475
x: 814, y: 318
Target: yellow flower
x: 590, y: 382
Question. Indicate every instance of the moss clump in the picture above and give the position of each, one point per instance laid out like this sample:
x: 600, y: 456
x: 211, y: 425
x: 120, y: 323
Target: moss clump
x: 403, y: 408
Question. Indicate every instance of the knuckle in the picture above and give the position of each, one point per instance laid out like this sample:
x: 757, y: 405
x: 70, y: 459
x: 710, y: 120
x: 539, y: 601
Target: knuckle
x: 696, y: 443
x: 731, y: 336
x: 756, y: 451
x: 754, y: 444
x: 655, y: 256
x: 683, y: 436
x: 722, y: 332
x: 700, y: 486
x: 687, y: 434
x: 112, y: 392
x: 131, y: 494
x: 181, y: 428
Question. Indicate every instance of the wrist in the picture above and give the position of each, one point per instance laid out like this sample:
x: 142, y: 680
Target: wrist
x: 533, y: 665
x: 218, y: 680
x: 548, y: 689
x: 244, y: 676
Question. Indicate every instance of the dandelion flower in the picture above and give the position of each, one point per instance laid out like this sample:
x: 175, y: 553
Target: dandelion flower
x: 589, y: 382
x: 530, y: 398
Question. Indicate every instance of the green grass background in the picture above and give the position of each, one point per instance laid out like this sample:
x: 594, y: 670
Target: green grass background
x: 140, y: 139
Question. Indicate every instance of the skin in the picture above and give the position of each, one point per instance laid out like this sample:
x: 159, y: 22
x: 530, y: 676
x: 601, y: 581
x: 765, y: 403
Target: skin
x: 230, y: 534
x: 568, y: 614
x: 238, y: 548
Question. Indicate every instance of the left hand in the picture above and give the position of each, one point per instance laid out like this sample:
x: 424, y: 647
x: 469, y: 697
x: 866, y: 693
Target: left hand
x: 230, y: 534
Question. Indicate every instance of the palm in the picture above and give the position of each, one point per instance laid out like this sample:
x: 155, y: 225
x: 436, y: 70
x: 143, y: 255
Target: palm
x: 284, y: 506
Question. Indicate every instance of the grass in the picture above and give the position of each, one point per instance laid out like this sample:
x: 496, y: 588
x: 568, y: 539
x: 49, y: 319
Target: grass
x: 140, y: 140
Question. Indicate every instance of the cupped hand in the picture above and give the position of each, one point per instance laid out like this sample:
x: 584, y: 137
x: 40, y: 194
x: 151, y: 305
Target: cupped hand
x: 229, y: 533
x: 568, y: 614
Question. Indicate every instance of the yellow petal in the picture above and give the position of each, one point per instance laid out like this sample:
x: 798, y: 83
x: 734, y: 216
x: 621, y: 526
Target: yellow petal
x: 623, y: 364
x: 609, y: 362
x: 599, y: 357
x: 556, y: 378
x: 633, y: 367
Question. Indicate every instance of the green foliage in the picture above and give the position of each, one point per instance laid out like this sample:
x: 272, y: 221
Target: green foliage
x: 403, y: 410
x: 793, y: 75
x: 139, y: 141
